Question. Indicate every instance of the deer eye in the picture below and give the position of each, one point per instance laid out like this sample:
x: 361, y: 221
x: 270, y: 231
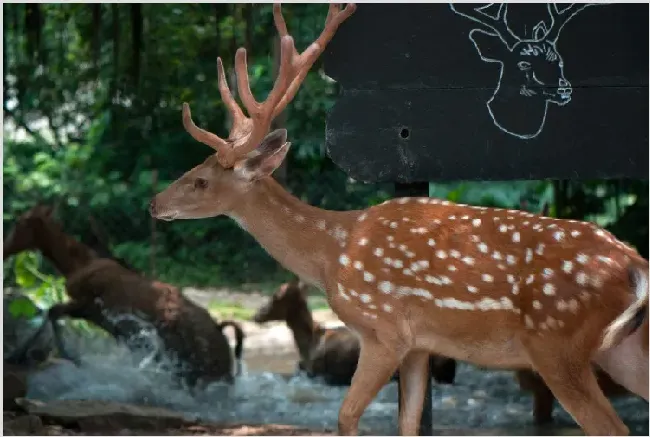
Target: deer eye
x: 523, y: 65
x: 201, y: 183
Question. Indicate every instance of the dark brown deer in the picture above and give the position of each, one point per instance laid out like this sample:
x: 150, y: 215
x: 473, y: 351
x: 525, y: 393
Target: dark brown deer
x: 114, y: 298
x: 419, y: 276
x: 330, y: 353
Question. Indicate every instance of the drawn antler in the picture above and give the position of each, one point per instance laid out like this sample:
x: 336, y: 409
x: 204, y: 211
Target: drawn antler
x: 559, y: 19
x: 498, y: 24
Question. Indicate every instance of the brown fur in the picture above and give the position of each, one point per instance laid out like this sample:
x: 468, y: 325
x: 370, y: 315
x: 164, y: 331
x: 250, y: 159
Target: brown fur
x: 330, y: 353
x: 101, y: 289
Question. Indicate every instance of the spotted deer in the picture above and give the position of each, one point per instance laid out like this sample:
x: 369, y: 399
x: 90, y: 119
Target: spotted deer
x: 532, y: 68
x: 329, y: 353
x: 416, y: 276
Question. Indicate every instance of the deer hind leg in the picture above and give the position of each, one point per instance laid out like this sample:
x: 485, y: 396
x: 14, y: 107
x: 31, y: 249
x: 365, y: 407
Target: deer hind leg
x: 414, y: 372
x: 573, y: 383
x: 627, y: 362
x: 376, y: 365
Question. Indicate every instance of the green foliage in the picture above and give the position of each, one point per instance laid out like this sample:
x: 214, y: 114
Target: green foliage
x: 43, y: 290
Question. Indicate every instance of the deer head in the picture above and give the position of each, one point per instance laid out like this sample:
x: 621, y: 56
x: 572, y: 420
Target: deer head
x: 532, y: 70
x: 25, y: 233
x: 286, y: 299
x: 248, y: 154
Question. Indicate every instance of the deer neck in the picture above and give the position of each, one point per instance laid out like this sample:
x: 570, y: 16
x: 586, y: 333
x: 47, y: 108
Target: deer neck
x: 303, y: 327
x: 67, y: 254
x: 306, y: 240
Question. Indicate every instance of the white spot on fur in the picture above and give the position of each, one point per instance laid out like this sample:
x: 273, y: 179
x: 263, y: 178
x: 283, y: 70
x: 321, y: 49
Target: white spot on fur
x: 344, y: 260
x: 452, y: 268
x: 320, y: 224
x: 368, y: 277
x: 497, y: 255
x: 365, y: 298
x: 510, y: 278
x: 361, y: 218
x: 559, y: 235
x: 575, y: 233
x: 529, y: 322
x: 503, y: 228
x: 393, y: 225
x: 567, y: 266
x: 483, y: 247
x: 342, y: 292
x: 386, y: 287
x: 516, y: 237
x: 431, y: 242
x: 511, y: 260
x: 549, y: 289
x: 487, y: 278
x: 441, y: 254
x: 387, y: 308
x: 537, y: 305
x: 363, y: 242
x: 581, y: 278
x: 476, y: 222
x: 454, y: 253
x: 530, y: 279
x: 378, y: 251
x: 515, y: 288
x: 472, y: 289
x: 582, y: 258
x: 468, y: 260
x: 358, y: 265
x: 529, y: 255
x: 547, y: 273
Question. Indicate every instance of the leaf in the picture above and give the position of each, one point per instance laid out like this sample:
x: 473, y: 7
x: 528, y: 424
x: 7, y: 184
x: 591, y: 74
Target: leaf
x: 23, y: 307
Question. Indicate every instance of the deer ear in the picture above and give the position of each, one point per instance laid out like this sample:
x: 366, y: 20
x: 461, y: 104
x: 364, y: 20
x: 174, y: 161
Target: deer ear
x: 490, y: 47
x: 270, y: 155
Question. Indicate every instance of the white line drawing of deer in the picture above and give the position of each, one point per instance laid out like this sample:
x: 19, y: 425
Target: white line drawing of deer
x: 532, y: 70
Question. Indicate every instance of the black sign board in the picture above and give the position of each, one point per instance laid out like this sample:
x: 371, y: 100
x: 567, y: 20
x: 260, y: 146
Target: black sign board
x: 490, y: 92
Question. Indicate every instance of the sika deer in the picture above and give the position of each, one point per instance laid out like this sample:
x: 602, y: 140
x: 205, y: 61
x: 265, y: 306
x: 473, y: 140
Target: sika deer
x: 416, y: 276
x: 111, y: 296
x: 330, y: 353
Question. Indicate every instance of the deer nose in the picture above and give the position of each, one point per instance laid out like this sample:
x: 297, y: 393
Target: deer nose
x: 152, y: 206
x: 564, y: 83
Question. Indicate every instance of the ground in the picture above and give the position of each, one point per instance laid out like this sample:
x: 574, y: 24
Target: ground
x: 121, y: 401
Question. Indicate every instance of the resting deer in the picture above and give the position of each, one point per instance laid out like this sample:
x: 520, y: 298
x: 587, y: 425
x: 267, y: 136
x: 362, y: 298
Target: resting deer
x: 330, y: 353
x: 420, y: 276
x: 106, y: 294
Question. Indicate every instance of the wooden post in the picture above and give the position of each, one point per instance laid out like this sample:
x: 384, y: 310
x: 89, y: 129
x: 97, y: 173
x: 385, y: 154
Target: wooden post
x: 426, y: 422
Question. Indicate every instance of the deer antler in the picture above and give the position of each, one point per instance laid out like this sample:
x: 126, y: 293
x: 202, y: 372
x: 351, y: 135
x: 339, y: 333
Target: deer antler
x: 498, y: 24
x: 559, y: 19
x: 247, y: 132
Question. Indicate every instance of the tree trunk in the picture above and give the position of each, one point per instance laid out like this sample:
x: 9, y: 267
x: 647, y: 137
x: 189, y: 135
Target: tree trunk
x: 136, y: 38
x: 96, y: 38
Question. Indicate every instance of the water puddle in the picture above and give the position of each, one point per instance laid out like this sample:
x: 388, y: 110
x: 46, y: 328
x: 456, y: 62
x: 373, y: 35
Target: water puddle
x: 481, y: 402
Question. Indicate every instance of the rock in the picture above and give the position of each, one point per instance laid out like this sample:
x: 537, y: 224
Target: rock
x: 24, y: 425
x: 94, y: 416
x: 19, y: 328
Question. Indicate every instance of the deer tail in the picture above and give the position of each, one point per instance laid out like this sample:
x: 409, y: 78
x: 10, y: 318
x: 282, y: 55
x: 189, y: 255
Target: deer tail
x: 634, y: 316
x: 239, y: 340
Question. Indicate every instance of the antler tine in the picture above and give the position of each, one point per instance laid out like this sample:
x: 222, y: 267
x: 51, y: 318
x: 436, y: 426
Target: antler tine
x: 303, y: 62
x: 201, y: 135
x: 498, y: 24
x: 559, y: 19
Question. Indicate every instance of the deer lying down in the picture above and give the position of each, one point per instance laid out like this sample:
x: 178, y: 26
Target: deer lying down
x: 420, y: 276
x: 330, y: 353
x: 109, y: 295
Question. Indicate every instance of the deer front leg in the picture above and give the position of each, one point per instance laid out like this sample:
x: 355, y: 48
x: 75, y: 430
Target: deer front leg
x: 414, y: 372
x: 376, y: 365
x: 71, y: 309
